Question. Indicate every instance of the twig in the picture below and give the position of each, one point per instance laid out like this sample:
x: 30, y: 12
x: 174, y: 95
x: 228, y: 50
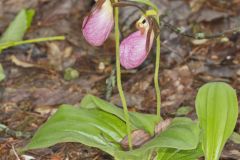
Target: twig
x: 15, y: 153
x: 199, y: 35
x: 17, y: 134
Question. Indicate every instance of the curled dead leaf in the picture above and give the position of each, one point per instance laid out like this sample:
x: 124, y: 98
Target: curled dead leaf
x: 162, y: 126
x: 21, y: 63
x: 139, y: 137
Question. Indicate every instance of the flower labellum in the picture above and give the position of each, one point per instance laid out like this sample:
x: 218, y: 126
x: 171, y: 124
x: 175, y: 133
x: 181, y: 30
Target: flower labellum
x: 98, y: 24
x: 135, y: 48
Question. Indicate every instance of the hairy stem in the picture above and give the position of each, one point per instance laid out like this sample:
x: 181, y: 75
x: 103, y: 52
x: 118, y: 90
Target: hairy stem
x: 118, y: 70
x: 156, y: 81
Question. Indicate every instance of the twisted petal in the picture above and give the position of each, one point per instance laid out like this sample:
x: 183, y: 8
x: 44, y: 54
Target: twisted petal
x: 98, y: 26
x: 133, y: 50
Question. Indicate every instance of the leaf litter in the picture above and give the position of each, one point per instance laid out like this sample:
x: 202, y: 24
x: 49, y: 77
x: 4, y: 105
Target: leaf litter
x: 30, y: 94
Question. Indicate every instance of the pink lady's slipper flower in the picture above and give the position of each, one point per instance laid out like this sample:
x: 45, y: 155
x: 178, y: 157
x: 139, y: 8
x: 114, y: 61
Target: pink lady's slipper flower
x: 99, y: 23
x: 135, y: 48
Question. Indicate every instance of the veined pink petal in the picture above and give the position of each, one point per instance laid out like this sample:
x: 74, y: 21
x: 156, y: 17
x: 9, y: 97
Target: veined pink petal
x: 133, y: 50
x: 98, y: 26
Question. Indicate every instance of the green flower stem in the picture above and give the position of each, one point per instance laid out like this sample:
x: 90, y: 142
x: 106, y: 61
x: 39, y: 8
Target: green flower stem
x: 12, y: 44
x: 157, y: 64
x: 118, y: 70
x: 156, y: 81
x: 147, y: 2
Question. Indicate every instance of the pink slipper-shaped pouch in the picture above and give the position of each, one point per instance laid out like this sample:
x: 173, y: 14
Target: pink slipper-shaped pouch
x: 133, y: 49
x: 99, y: 23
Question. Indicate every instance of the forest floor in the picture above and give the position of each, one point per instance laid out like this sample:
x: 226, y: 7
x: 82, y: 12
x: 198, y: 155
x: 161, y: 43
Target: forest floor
x: 28, y: 96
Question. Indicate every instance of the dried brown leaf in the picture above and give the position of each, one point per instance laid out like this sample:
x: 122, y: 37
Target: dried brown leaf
x: 139, y: 137
x: 162, y: 126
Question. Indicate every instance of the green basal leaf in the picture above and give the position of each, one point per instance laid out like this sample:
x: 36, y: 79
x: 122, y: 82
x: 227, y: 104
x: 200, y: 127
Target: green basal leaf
x: 176, y: 154
x: 18, y: 26
x: 217, y: 110
x: 182, y: 134
x: 97, y: 125
x: 93, y: 127
x: 2, y: 74
x: 138, y: 120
